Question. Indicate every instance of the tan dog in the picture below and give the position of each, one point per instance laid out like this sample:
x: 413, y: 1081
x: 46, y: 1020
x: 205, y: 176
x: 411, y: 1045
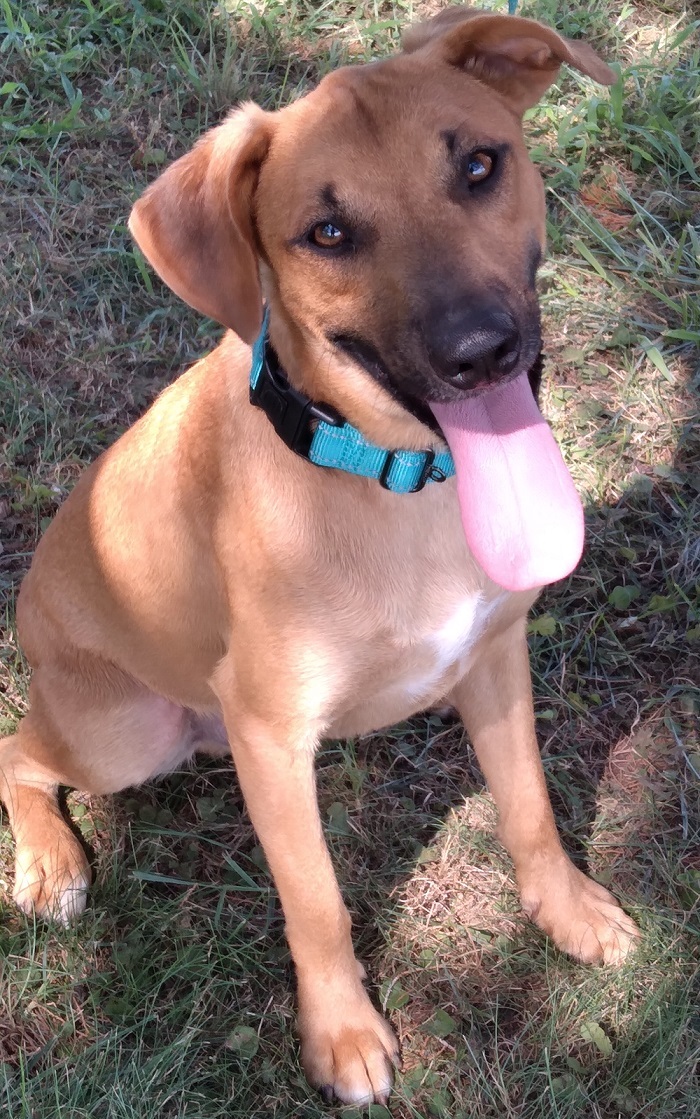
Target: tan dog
x: 205, y: 588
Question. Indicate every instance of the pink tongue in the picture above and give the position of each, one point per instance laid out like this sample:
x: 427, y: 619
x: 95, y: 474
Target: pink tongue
x: 522, y: 517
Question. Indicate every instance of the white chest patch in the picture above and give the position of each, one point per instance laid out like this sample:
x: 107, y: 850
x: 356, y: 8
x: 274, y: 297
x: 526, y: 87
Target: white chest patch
x: 452, y: 641
x: 448, y: 647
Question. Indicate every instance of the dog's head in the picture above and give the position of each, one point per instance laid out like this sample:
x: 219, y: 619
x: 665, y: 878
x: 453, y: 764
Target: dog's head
x: 392, y: 218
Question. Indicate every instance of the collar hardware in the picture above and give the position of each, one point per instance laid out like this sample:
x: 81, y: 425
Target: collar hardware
x: 429, y: 473
x: 321, y: 435
x: 291, y: 413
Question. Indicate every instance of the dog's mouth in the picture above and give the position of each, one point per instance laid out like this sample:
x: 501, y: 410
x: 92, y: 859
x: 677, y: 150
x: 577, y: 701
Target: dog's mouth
x: 522, y: 516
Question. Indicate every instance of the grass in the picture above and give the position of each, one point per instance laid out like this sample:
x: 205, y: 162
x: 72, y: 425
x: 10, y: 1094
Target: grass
x: 172, y: 996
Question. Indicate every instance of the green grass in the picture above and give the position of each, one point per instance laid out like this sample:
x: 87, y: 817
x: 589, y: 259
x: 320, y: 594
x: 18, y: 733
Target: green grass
x: 172, y: 996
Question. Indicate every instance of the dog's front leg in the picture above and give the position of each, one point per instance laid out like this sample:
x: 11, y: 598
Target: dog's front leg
x: 495, y: 702
x: 346, y: 1046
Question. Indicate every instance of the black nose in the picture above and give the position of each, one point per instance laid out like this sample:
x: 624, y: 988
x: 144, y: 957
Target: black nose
x: 475, y: 348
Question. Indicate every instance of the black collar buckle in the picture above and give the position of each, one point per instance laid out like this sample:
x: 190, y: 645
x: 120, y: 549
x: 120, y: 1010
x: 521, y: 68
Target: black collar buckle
x: 291, y: 413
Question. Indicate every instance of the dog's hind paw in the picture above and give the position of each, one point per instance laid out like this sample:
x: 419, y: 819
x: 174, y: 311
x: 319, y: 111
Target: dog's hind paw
x: 52, y: 883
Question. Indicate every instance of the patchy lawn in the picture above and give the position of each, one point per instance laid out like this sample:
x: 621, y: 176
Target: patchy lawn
x: 172, y: 997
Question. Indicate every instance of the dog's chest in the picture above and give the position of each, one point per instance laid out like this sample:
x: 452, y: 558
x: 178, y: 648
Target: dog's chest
x: 437, y: 658
x: 420, y: 662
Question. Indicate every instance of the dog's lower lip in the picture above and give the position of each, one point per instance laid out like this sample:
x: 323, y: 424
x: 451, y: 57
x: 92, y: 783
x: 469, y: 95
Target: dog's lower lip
x: 488, y: 386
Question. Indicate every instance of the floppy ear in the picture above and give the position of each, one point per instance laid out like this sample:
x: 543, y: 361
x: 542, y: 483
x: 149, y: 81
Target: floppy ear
x: 194, y: 223
x: 519, y: 58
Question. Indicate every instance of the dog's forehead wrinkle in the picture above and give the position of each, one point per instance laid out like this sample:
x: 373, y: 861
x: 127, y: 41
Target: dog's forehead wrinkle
x: 329, y: 196
x: 449, y: 135
x: 392, y: 93
x: 366, y: 115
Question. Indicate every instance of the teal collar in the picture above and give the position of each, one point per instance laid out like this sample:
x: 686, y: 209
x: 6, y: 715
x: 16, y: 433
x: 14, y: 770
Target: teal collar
x: 320, y: 434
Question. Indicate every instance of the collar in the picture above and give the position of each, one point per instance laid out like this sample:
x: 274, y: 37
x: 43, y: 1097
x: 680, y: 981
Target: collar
x: 321, y: 435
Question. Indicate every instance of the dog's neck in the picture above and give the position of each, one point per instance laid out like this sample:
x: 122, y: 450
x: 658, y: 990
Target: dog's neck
x: 313, y: 366
x: 319, y: 433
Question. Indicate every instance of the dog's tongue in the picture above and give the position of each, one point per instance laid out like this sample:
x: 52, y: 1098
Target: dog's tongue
x: 522, y: 517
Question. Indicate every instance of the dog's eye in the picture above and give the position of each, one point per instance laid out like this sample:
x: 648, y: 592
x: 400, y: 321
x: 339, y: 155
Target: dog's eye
x: 328, y: 236
x: 480, y: 166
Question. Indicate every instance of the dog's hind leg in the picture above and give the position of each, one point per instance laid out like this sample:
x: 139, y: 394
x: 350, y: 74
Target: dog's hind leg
x: 99, y: 735
x: 52, y: 874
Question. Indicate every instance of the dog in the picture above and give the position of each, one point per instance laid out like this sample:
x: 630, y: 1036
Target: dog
x: 339, y: 517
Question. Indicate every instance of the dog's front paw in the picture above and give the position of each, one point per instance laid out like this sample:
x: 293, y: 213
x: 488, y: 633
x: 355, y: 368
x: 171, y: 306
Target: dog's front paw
x: 580, y: 915
x: 348, y: 1050
x: 52, y: 881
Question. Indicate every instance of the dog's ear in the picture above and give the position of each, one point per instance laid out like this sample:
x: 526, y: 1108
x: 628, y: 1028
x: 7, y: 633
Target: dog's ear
x: 195, y: 226
x: 519, y: 58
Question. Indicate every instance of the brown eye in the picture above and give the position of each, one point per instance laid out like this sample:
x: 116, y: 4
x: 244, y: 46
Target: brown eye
x: 328, y: 236
x: 479, y: 167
